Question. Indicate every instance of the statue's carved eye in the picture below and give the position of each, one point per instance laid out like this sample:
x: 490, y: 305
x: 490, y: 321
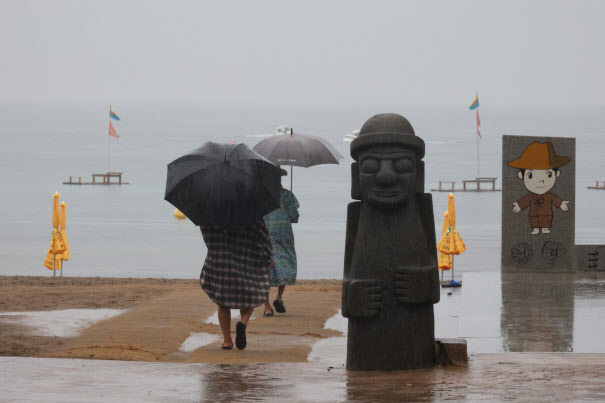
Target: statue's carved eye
x: 370, y: 166
x: 403, y: 165
x: 529, y: 175
x: 549, y: 174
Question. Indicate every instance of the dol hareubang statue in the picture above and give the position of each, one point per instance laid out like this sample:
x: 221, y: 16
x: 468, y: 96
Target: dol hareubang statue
x: 390, y: 273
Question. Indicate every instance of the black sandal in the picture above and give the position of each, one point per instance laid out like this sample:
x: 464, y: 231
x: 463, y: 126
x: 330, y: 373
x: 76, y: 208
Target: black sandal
x: 279, y: 306
x: 240, y: 335
x: 226, y: 348
x: 268, y: 314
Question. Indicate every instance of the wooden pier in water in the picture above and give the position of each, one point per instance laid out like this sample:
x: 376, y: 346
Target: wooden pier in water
x: 599, y: 185
x: 468, y: 185
x: 98, y: 179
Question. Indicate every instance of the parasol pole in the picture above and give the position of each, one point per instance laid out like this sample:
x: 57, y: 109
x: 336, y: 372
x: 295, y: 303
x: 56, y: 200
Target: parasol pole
x: 291, y: 166
x: 452, y: 267
x: 54, y: 265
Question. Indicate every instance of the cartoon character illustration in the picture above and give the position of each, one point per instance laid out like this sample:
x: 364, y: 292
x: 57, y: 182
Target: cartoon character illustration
x: 539, y: 169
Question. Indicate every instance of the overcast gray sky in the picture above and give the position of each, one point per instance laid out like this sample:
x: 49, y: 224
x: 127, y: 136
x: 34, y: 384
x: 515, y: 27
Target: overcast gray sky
x: 409, y: 52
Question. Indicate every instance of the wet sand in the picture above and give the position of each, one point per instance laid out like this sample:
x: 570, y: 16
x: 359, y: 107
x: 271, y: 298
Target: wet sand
x: 160, y: 315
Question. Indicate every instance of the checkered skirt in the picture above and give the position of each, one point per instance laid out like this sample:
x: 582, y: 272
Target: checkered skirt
x: 236, y: 271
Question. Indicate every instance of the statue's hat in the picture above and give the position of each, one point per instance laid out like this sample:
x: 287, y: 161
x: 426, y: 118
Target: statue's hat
x: 539, y: 156
x: 387, y: 129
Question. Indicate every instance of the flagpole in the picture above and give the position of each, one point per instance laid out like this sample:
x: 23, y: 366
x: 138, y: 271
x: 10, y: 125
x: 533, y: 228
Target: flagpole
x: 108, y: 142
x: 478, y: 168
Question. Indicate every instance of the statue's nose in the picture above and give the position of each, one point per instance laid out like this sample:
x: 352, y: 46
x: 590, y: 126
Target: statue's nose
x: 386, y: 175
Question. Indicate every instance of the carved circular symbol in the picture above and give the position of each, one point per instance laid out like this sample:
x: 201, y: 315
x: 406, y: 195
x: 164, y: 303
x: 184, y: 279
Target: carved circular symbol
x: 522, y: 252
x: 552, y: 251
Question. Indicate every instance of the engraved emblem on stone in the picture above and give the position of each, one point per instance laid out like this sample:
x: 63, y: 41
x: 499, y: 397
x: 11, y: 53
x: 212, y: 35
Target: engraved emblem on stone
x: 552, y: 251
x: 522, y: 252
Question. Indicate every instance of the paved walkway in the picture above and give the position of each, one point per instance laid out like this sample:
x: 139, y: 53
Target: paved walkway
x: 522, y: 376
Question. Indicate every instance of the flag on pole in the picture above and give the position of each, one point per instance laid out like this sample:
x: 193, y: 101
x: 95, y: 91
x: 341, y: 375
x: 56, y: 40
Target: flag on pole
x: 113, y: 115
x: 112, y: 131
x: 478, y: 125
x: 475, y: 105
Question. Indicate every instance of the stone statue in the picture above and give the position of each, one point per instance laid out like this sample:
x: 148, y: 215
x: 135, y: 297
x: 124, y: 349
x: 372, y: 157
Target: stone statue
x: 390, y: 272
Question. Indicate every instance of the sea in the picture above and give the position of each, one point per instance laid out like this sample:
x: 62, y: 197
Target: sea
x: 130, y: 230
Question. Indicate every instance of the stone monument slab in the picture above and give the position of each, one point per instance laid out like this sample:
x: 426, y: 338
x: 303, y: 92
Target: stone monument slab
x: 538, y: 204
x: 590, y: 259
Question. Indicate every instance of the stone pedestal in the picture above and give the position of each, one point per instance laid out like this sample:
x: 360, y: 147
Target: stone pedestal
x: 451, y: 351
x: 538, y: 228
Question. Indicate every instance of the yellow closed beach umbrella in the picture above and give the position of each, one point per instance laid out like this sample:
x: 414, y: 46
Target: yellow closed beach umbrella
x: 445, y: 260
x: 62, y: 222
x: 451, y: 242
x: 57, y: 244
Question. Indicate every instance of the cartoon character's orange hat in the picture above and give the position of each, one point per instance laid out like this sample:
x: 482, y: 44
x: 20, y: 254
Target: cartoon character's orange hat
x: 539, y: 156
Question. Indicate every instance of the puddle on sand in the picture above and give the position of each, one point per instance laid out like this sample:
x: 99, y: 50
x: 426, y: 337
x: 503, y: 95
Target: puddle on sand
x: 332, y: 350
x: 197, y: 340
x: 60, y: 323
x: 213, y: 319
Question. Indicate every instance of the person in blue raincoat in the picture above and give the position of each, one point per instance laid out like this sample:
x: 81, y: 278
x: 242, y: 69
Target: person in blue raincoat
x: 279, y: 223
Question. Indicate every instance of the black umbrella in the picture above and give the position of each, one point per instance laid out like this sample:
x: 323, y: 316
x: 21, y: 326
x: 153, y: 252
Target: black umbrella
x: 223, y: 184
x: 299, y: 150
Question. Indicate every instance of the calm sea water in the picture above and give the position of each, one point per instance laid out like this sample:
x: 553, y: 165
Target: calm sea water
x: 129, y: 231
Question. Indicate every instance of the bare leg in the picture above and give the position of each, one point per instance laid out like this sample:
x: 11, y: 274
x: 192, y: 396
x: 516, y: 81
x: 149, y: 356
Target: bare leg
x: 280, y: 292
x: 224, y: 318
x: 268, y: 308
x: 245, y: 314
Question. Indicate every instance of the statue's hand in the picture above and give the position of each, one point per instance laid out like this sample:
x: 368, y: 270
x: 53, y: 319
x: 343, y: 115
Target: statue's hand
x: 364, y: 299
x: 516, y: 207
x: 417, y: 285
x: 564, y: 205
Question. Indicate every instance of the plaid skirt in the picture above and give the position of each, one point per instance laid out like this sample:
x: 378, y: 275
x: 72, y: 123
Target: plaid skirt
x: 236, y: 271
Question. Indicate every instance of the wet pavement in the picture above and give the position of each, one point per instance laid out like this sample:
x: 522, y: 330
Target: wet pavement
x: 522, y: 376
x: 530, y: 337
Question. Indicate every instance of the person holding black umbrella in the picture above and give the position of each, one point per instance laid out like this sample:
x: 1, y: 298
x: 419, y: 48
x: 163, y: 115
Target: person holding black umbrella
x: 279, y: 223
x: 236, y: 274
x: 226, y: 189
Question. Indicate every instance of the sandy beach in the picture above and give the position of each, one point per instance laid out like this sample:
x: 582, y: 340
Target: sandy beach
x: 159, y: 315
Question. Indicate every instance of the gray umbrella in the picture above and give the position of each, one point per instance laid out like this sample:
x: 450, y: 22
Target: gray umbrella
x: 301, y: 150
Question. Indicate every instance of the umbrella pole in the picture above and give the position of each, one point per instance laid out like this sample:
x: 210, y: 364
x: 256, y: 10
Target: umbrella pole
x: 54, y: 263
x: 62, y: 268
x: 452, y: 267
x: 291, y: 170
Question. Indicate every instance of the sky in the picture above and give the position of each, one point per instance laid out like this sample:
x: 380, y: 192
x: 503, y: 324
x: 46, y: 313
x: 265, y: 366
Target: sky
x: 303, y: 52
